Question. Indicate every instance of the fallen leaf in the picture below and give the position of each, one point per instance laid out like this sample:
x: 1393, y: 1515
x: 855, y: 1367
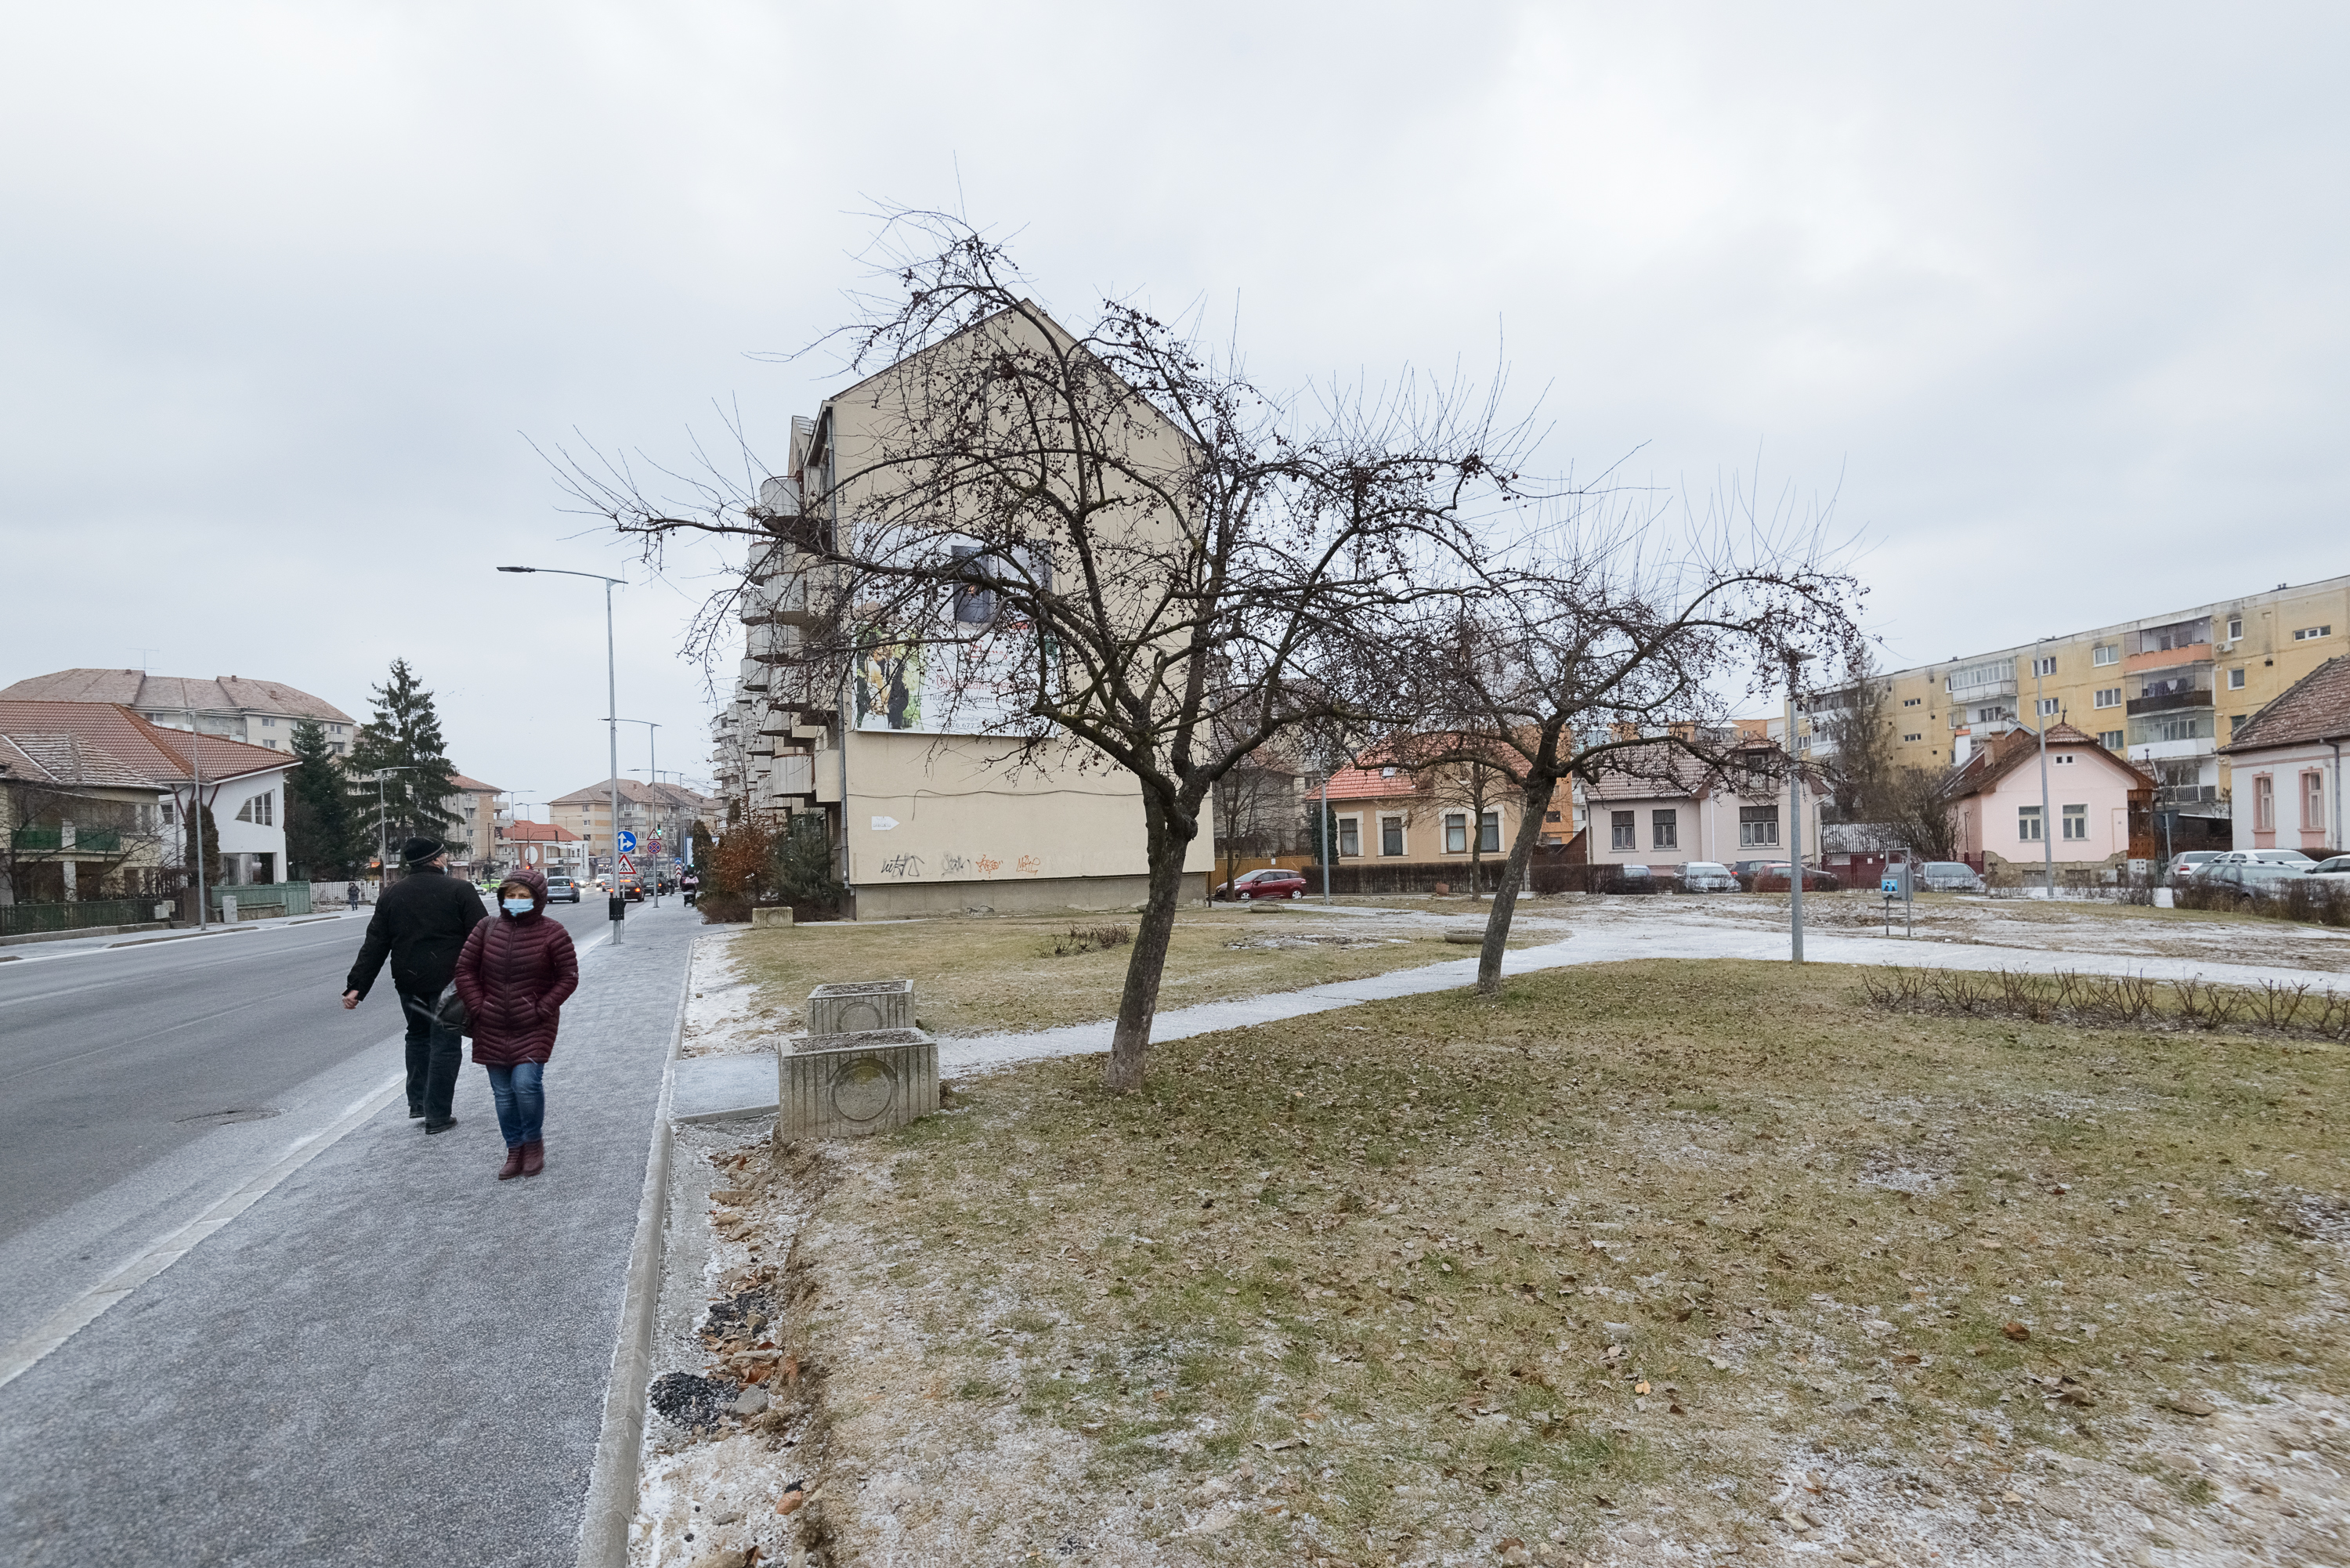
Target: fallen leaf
x: 2188, y: 1405
x: 1640, y: 1389
x: 2016, y: 1331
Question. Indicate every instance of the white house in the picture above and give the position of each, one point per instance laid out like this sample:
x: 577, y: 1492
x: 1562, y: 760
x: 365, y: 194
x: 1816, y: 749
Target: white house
x: 2287, y: 761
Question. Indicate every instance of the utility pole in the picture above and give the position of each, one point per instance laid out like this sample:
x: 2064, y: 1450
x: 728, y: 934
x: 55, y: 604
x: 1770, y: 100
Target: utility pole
x: 617, y: 905
x: 195, y: 817
x: 652, y: 766
x: 2047, y: 828
x: 1794, y: 818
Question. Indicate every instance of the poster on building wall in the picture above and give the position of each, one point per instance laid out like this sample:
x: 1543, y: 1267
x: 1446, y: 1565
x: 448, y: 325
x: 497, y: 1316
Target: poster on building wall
x: 971, y: 685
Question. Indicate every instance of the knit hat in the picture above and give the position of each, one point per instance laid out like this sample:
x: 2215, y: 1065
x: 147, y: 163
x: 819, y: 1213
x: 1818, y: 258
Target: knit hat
x: 417, y: 851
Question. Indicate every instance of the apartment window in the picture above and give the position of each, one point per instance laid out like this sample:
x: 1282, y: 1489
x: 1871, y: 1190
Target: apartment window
x: 1350, y: 836
x: 2264, y: 805
x: 2235, y: 628
x: 1664, y: 830
x: 1622, y: 830
x: 271, y: 745
x: 1913, y: 737
x: 2311, y: 633
x: 2235, y: 681
x: 1489, y: 833
x: 1911, y: 701
x: 1758, y: 827
x: 170, y: 813
x: 2027, y: 824
x: 2077, y: 823
x: 2109, y: 697
x: 2312, y: 803
x: 1550, y: 817
x: 269, y: 723
x: 2062, y: 758
x: 260, y: 810
x: 2106, y: 653
x: 2110, y: 738
x: 334, y: 729
x: 2044, y: 666
x: 2049, y: 706
x: 1391, y: 836
x: 1456, y: 833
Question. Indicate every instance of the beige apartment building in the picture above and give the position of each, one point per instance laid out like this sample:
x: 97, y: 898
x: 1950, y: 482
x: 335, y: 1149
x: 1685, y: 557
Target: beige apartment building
x: 892, y: 757
x: 2166, y: 691
x: 665, y: 813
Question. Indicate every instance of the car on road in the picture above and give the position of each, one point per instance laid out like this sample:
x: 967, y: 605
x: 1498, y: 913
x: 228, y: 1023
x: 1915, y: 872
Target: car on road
x: 562, y: 889
x: 1774, y: 875
x: 1707, y: 876
x: 1948, y: 877
x: 1272, y: 882
x: 2337, y: 867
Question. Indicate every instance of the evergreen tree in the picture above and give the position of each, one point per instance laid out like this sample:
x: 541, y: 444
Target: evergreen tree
x: 210, y: 837
x: 321, y: 830
x: 402, y: 741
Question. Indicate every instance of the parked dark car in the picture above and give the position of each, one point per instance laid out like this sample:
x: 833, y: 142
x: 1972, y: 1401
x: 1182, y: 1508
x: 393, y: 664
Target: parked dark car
x: 1773, y: 878
x: 1948, y: 877
x: 1635, y: 879
x: 1274, y: 882
x: 2248, y: 879
x: 1706, y: 877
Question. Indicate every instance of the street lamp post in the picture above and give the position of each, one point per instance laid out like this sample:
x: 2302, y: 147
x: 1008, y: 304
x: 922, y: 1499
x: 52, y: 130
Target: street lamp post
x: 612, y: 718
x: 2047, y: 828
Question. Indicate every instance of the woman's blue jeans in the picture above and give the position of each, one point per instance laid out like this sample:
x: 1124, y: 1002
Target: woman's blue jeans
x: 522, y: 1102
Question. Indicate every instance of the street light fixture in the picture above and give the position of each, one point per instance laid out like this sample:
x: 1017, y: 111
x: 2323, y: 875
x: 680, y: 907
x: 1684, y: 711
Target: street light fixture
x: 612, y: 718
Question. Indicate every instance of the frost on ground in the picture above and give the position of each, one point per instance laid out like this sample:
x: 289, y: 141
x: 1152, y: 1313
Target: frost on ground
x: 1665, y: 1263
x: 725, y: 1015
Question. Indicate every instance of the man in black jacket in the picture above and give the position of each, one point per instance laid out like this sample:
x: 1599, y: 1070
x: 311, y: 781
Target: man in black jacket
x: 421, y: 923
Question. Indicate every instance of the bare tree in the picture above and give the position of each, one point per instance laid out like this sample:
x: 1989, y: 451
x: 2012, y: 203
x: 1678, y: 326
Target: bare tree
x: 1916, y: 805
x: 1615, y: 643
x: 1856, y: 720
x: 1118, y: 546
x: 1253, y: 805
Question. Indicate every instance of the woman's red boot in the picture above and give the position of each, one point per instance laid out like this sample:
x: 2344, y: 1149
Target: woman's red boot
x: 513, y: 1166
x: 534, y: 1156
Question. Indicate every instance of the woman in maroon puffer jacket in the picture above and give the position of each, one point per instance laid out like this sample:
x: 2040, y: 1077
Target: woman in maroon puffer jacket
x: 515, y: 974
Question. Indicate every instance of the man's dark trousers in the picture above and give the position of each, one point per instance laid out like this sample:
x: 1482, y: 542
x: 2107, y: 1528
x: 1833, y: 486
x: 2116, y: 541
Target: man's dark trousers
x: 434, y: 1054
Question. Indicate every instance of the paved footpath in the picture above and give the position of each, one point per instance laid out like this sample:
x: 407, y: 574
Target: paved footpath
x: 390, y: 1357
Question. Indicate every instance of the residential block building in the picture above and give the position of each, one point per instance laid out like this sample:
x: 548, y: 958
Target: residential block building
x: 259, y: 713
x: 2167, y: 692
x: 665, y: 813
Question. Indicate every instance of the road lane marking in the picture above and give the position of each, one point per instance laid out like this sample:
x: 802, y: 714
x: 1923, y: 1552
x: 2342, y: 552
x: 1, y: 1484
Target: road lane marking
x: 86, y: 1309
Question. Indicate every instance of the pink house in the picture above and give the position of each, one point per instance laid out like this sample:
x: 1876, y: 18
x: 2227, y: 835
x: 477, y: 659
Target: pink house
x: 2096, y: 811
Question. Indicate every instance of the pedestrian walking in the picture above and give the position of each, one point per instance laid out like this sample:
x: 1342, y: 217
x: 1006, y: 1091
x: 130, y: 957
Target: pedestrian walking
x: 351, y: 893
x: 514, y: 975
x: 692, y: 882
x: 421, y: 923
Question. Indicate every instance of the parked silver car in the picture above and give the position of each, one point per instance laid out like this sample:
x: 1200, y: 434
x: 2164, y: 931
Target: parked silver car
x: 2183, y: 865
x: 2250, y: 878
x: 1948, y: 877
x: 1707, y: 876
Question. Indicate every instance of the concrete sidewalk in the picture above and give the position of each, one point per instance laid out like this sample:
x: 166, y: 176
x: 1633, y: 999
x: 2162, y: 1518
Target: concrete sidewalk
x: 392, y: 1357
x: 717, y: 1088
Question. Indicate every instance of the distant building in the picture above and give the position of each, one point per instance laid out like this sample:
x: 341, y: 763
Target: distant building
x: 542, y: 845
x: 244, y: 786
x: 2096, y: 812
x: 473, y: 837
x: 259, y: 713
x: 2165, y: 692
x: 2288, y: 766
x: 75, y: 822
x: 665, y: 812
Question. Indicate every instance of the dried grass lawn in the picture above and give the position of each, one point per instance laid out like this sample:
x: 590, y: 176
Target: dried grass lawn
x: 986, y: 974
x: 1649, y: 1263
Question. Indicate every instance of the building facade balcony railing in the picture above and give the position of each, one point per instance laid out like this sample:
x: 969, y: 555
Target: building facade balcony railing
x: 2188, y: 795
x: 2168, y: 702
x: 1985, y: 691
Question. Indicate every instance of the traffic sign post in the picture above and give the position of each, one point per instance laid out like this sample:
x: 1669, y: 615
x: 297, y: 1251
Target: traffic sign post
x: 627, y: 843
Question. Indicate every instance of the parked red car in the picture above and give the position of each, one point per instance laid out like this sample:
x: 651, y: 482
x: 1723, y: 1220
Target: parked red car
x: 1270, y: 883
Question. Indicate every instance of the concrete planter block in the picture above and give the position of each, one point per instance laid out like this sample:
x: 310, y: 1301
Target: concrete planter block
x: 854, y: 1091
x: 859, y: 1040
x: 780, y: 917
x: 861, y: 1005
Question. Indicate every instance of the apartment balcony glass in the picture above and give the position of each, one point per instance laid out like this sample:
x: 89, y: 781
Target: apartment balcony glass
x: 2169, y: 701
x: 2164, y: 728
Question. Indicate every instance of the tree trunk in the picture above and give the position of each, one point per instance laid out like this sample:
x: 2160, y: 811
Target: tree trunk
x: 1170, y: 844
x: 1538, y: 792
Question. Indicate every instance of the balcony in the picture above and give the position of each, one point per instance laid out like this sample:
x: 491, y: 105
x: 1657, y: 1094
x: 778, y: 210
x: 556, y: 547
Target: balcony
x: 38, y: 840
x: 2168, y: 702
x: 1986, y: 691
x: 2188, y: 795
x: 2163, y: 657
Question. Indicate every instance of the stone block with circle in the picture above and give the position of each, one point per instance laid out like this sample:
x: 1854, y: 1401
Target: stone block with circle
x: 856, y: 1091
x: 858, y: 1005
x: 859, y: 1038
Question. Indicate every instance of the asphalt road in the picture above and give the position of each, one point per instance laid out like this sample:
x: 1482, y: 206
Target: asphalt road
x: 392, y: 1357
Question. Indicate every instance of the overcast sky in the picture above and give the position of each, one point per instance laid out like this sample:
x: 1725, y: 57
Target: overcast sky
x: 2050, y: 298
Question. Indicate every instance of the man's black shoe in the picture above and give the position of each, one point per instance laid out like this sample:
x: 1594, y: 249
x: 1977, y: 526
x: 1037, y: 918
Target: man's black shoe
x: 414, y: 1112
x: 440, y: 1127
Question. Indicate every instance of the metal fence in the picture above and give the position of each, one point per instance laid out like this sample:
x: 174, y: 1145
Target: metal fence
x: 336, y: 895
x: 33, y: 920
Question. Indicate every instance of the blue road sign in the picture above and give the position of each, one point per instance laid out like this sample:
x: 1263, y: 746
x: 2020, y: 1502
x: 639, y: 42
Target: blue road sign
x: 628, y: 842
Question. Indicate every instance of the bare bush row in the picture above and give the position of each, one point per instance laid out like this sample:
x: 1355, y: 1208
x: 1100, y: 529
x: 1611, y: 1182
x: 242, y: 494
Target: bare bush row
x: 2125, y: 1001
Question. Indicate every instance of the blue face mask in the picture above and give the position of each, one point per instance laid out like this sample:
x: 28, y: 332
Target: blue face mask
x: 521, y: 906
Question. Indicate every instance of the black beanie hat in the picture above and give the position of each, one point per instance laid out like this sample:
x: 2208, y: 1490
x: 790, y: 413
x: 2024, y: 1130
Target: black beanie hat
x: 418, y: 850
